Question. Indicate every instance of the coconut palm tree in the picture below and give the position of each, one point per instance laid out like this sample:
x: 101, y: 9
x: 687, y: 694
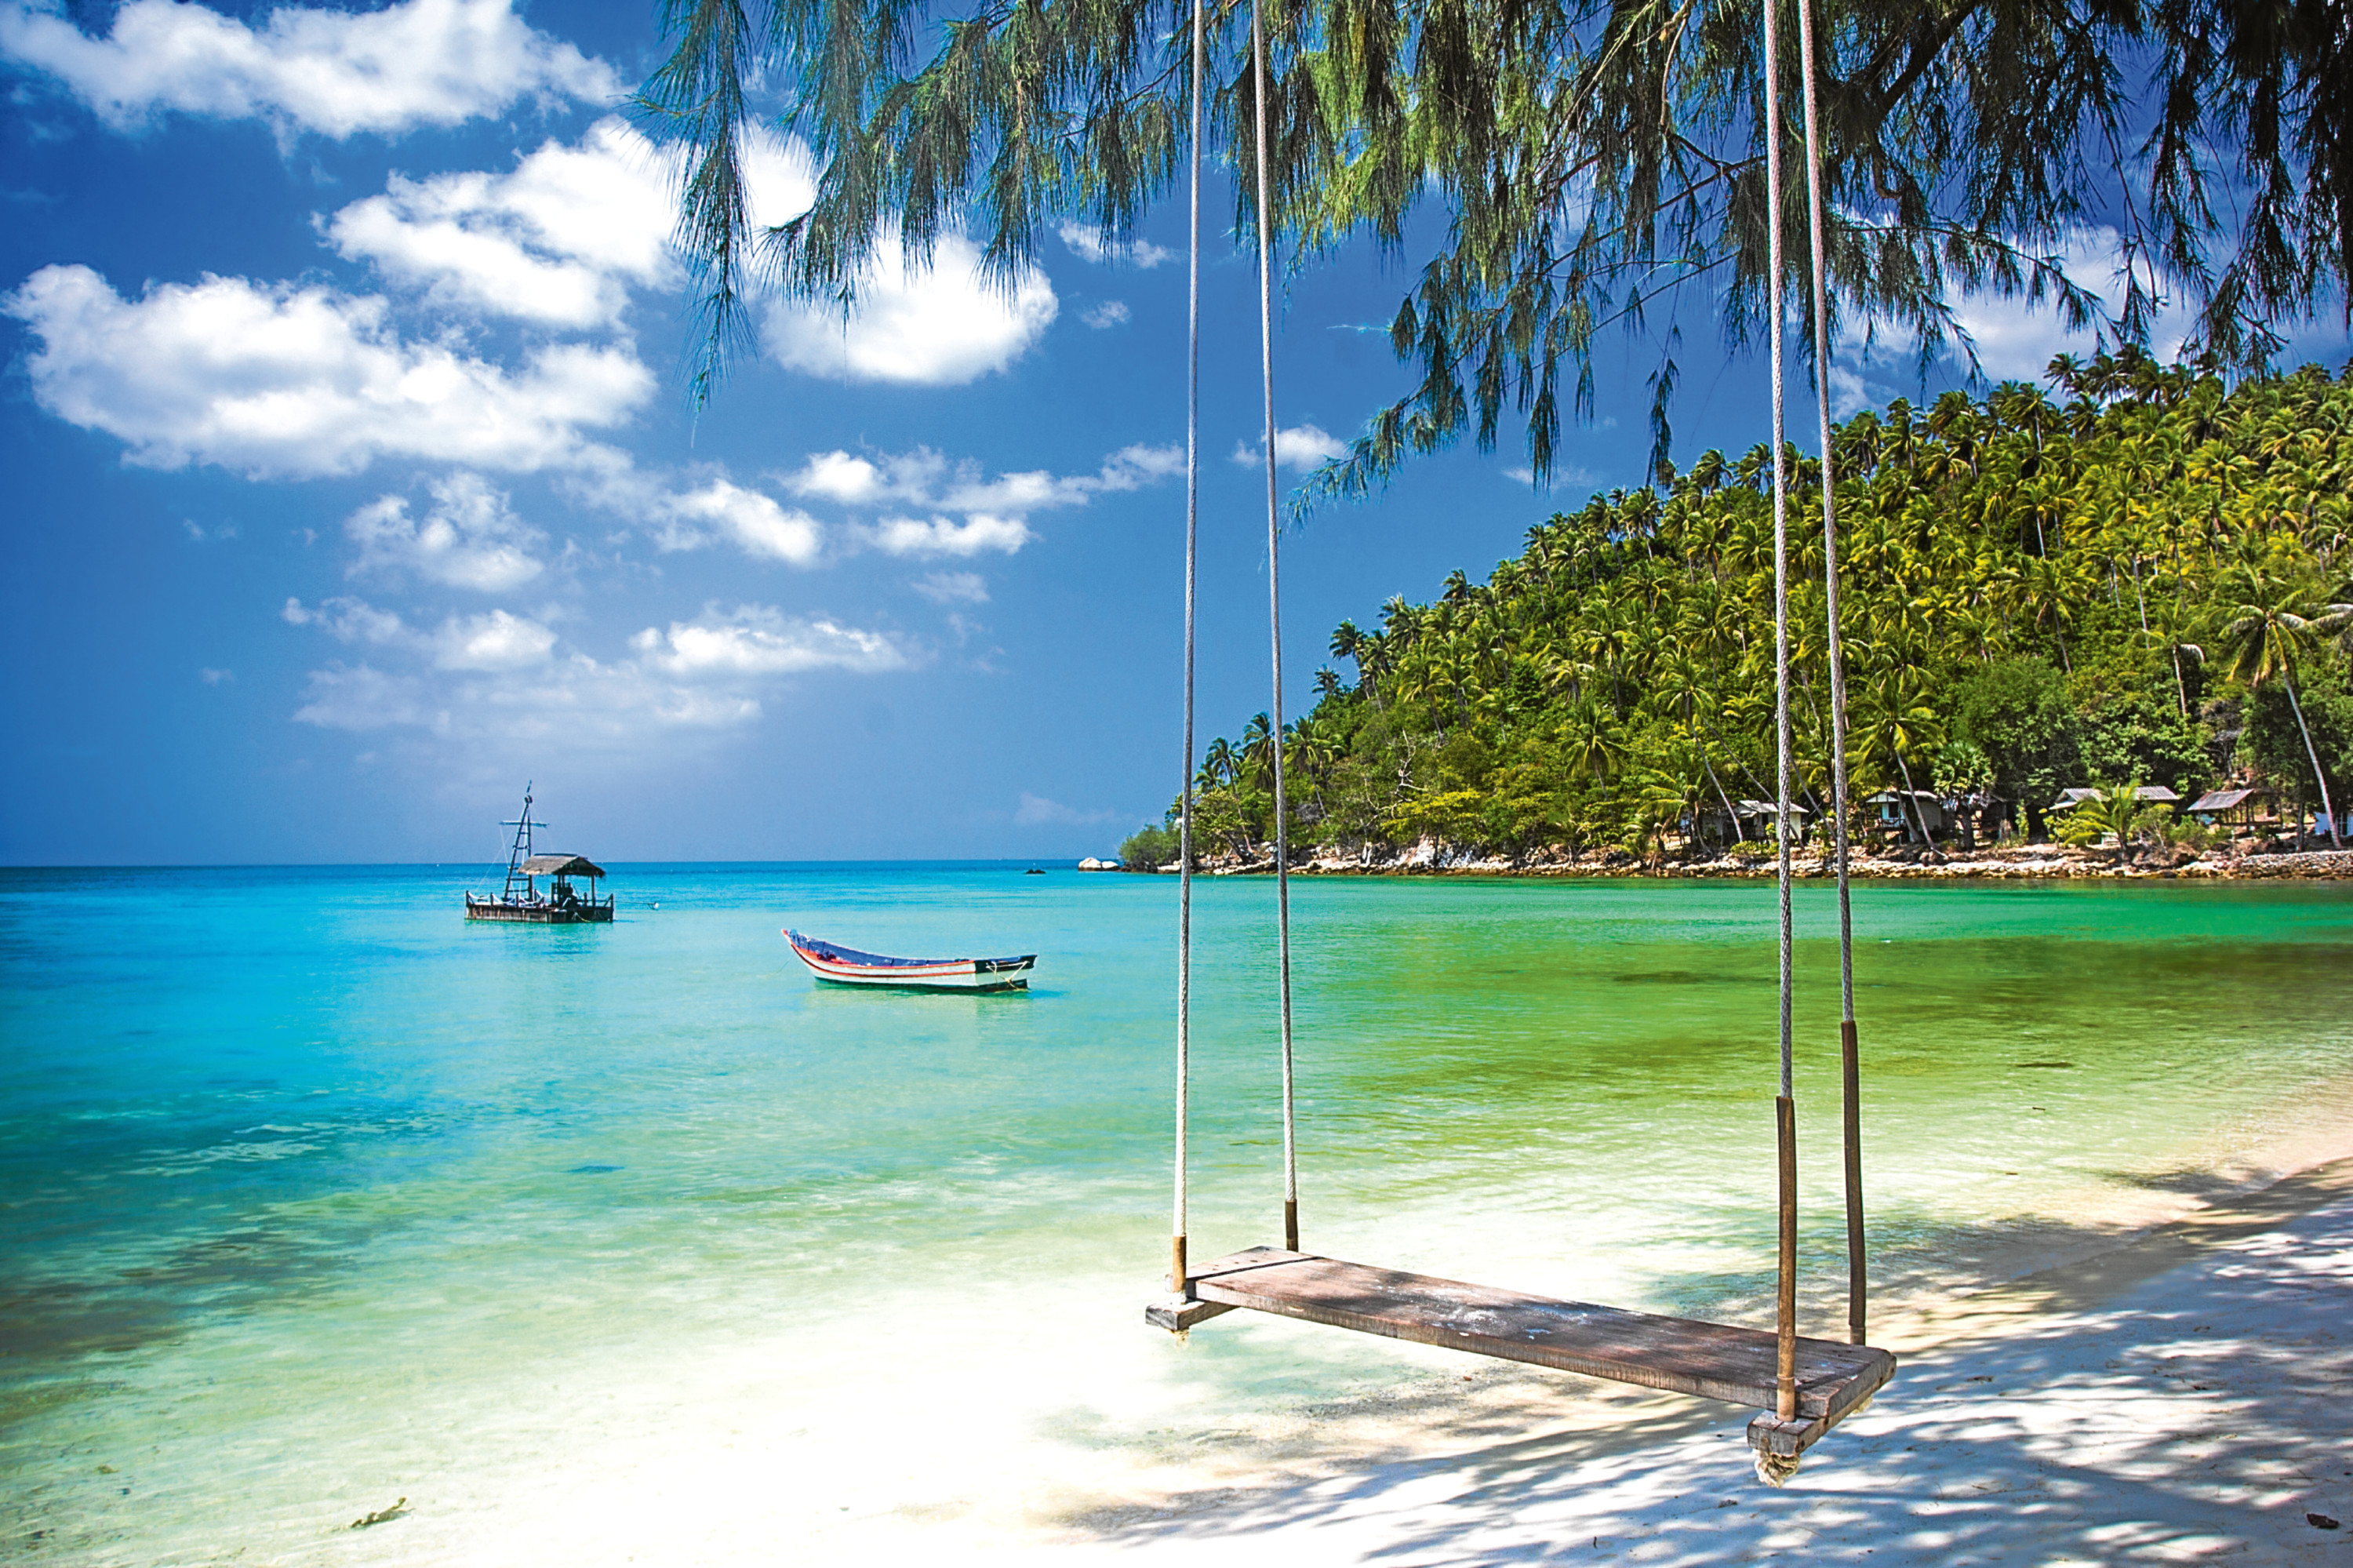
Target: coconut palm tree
x: 1220, y: 764
x: 2275, y: 615
x: 2116, y: 809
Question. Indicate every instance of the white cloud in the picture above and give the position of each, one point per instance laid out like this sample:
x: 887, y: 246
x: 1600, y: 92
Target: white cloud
x: 690, y: 515
x: 556, y: 241
x: 338, y: 73
x: 1299, y: 447
x: 1089, y: 245
x: 2015, y: 339
x: 1849, y: 390
x: 469, y: 539
x: 995, y: 508
x: 299, y: 381
x: 348, y: 621
x: 212, y: 677
x: 940, y: 536
x: 497, y: 640
x: 938, y: 327
x: 759, y: 640
x: 1110, y: 313
x: 1036, y: 811
x: 953, y: 587
x: 494, y: 641
x: 502, y: 680
x: 561, y: 238
x: 751, y: 520
x: 838, y: 476
x: 925, y: 479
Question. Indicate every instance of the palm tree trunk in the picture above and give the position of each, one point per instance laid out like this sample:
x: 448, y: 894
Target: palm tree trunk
x: 1918, y: 816
x: 1720, y: 795
x: 2335, y: 839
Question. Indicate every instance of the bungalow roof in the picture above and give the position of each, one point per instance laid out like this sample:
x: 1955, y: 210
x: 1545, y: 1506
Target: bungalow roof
x: 560, y: 865
x: 2076, y: 797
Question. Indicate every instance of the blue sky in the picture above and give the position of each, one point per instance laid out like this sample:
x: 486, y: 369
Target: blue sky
x: 351, y: 483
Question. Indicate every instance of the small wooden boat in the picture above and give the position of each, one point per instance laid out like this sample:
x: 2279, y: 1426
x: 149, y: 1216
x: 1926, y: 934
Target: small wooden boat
x: 847, y: 966
x: 521, y: 902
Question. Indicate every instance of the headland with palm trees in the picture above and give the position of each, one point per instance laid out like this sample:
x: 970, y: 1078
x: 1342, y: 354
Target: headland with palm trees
x: 2138, y: 578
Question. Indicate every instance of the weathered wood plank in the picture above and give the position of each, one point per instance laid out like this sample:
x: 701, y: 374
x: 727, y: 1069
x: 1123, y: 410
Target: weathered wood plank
x: 1714, y: 1361
x: 1176, y: 1313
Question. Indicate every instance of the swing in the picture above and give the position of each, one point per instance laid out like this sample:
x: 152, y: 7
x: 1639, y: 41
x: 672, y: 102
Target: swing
x: 1802, y: 1387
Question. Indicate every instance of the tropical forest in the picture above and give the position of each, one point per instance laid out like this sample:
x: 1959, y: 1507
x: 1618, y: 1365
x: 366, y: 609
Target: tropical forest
x: 2136, y: 576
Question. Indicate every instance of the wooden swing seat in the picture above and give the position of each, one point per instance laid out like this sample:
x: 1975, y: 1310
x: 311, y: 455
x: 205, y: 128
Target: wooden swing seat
x: 1713, y: 1361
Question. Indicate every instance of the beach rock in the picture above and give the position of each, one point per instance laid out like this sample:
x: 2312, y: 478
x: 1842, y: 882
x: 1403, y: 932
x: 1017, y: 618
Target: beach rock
x: 1091, y: 863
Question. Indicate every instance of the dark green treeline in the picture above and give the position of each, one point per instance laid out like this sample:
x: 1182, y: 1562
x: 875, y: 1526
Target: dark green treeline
x: 2143, y: 583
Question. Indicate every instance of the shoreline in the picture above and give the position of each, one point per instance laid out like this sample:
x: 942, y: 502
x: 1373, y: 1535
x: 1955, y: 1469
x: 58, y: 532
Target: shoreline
x: 2037, y: 863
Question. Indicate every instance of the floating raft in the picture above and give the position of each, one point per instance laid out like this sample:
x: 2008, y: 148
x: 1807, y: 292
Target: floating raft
x: 1713, y: 1361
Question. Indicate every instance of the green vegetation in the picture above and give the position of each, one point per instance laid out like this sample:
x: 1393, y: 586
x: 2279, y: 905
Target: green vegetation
x: 1546, y: 173
x: 1148, y: 849
x: 2144, y: 585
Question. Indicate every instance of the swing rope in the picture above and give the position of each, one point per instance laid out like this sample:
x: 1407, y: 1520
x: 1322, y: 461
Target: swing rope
x: 1177, y: 1276
x: 1849, y: 1055
x: 1275, y: 628
x: 1785, y: 1120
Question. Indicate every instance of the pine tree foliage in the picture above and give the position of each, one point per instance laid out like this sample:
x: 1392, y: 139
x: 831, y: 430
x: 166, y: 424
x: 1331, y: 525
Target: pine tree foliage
x: 1594, y: 164
x: 2116, y: 591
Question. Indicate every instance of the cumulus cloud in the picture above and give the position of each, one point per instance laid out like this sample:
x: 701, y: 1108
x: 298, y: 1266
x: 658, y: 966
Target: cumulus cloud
x: 2014, y: 338
x: 281, y: 381
x: 753, y: 522
x: 953, y: 587
x: 993, y: 508
x: 1110, y: 313
x: 937, y: 326
x: 1296, y: 448
x: 853, y: 480
x: 941, y: 536
x: 498, y: 678
x: 562, y: 237
x: 558, y: 241
x: 335, y: 73
x: 923, y: 477
x: 468, y: 539
x: 1089, y: 245
x: 690, y: 514
x: 497, y: 640
x: 756, y: 639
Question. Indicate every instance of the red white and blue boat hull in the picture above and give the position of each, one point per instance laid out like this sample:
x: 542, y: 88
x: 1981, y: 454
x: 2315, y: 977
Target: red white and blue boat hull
x: 847, y: 966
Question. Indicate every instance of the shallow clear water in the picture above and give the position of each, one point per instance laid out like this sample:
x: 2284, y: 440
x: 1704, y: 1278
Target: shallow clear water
x: 310, y: 1192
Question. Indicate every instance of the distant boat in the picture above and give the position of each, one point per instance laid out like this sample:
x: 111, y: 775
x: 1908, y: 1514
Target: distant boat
x: 847, y: 966
x: 521, y: 901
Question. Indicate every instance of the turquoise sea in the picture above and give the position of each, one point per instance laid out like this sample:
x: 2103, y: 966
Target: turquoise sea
x: 601, y: 1243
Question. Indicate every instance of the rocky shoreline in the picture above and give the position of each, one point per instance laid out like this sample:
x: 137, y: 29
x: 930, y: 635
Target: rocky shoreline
x: 1432, y: 857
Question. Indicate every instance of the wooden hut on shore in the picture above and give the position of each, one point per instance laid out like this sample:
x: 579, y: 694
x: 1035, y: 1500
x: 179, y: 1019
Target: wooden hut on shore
x: 2244, y: 810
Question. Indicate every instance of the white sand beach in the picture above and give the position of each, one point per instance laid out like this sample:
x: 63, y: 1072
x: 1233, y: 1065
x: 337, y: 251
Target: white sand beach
x: 2179, y: 1399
